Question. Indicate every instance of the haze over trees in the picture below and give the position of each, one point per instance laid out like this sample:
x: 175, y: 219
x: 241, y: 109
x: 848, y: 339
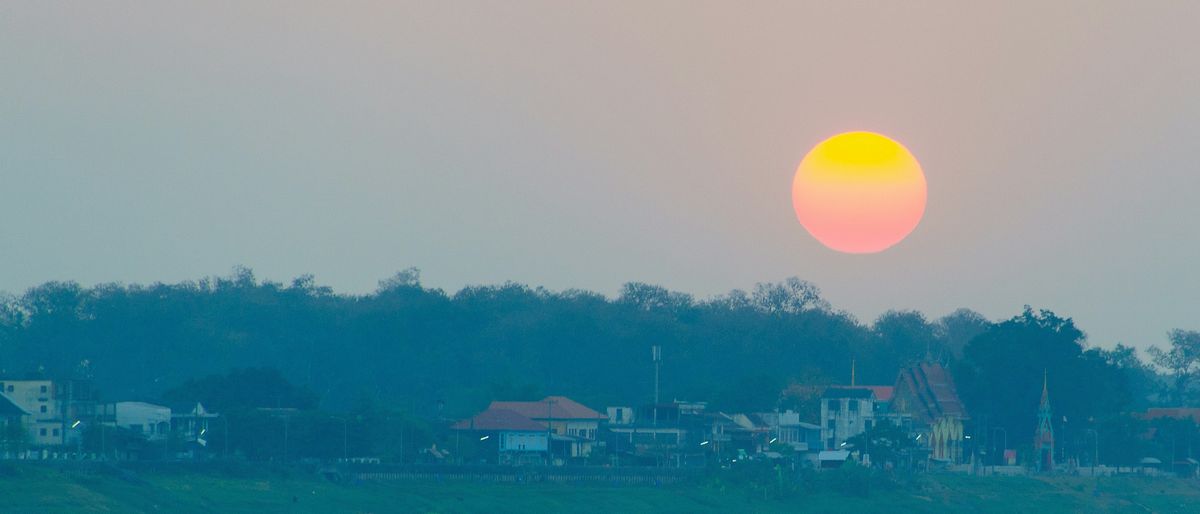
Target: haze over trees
x: 429, y: 354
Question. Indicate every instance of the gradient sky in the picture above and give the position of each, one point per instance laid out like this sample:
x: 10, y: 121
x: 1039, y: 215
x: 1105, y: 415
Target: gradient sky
x: 586, y: 144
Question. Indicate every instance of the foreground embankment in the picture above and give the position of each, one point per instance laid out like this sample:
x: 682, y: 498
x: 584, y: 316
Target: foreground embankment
x: 36, y: 488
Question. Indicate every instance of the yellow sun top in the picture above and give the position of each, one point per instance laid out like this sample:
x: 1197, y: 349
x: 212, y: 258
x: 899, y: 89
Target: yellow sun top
x: 860, y: 155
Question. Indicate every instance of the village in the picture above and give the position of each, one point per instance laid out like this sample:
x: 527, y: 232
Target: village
x: 916, y: 424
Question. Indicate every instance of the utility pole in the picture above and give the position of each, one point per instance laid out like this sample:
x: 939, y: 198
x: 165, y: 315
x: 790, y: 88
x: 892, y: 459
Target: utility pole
x: 656, y: 352
x: 285, y: 438
x: 345, y: 440
x: 549, y: 431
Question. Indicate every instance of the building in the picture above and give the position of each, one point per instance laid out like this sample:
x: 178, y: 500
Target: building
x: 12, y: 427
x: 618, y: 416
x: 146, y: 419
x: 574, y: 427
x: 665, y: 434
x: 786, y: 428
x: 192, y: 424
x: 845, y: 413
x: 516, y: 439
x: 56, y: 409
x: 925, y: 401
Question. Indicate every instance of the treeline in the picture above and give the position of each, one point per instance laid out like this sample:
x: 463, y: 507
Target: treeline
x: 430, y: 353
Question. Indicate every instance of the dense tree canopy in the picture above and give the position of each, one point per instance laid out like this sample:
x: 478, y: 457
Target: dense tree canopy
x: 425, y: 351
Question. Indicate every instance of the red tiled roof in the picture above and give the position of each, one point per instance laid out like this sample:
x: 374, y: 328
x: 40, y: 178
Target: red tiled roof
x: 1172, y: 412
x: 495, y: 419
x: 551, y: 407
x: 928, y: 392
x: 882, y: 393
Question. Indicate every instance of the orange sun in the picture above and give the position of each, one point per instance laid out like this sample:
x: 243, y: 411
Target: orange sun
x: 859, y: 192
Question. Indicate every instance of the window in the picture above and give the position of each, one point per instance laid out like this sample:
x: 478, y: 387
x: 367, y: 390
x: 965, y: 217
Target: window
x: 10, y: 388
x: 869, y: 424
x: 43, y: 409
x: 620, y: 415
x: 830, y: 424
x: 835, y: 405
x: 829, y: 443
x: 854, y: 405
x: 42, y: 432
x: 56, y: 432
x: 43, y: 389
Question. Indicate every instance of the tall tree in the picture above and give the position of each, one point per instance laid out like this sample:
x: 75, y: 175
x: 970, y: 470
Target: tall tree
x: 1001, y: 373
x: 958, y: 328
x: 1182, y: 360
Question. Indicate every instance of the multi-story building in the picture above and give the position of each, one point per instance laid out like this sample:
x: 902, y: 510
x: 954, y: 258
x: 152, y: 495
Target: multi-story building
x: 845, y: 413
x: 664, y: 434
x: 56, y: 408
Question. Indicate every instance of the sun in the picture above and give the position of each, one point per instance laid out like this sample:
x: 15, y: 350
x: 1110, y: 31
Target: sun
x: 859, y: 192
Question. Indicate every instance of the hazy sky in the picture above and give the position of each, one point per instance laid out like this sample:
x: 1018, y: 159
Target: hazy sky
x: 586, y: 144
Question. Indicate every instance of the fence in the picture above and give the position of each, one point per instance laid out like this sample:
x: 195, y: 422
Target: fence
x: 569, y: 475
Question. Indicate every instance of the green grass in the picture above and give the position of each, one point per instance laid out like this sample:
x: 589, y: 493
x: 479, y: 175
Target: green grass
x: 42, y: 489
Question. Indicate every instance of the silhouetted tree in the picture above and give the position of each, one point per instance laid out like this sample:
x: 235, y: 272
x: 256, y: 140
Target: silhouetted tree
x: 1182, y: 360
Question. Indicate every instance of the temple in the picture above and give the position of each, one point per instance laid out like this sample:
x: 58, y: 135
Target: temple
x: 925, y: 394
x: 1043, y: 439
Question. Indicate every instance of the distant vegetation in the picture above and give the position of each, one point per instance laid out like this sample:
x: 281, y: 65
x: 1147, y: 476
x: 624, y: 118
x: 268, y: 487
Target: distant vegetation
x: 431, y: 354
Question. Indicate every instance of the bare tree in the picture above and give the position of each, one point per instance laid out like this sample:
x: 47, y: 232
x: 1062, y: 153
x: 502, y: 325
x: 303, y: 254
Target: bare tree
x: 1182, y: 360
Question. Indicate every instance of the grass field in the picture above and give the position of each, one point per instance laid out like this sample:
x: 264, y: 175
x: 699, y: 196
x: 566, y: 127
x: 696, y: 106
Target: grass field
x: 42, y: 489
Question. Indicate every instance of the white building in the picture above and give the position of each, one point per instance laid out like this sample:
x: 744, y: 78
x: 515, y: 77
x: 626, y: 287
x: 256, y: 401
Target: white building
x: 150, y: 420
x: 621, y: 416
x: 845, y: 413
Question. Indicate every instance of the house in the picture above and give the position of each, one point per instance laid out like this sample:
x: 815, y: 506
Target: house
x: 55, y: 408
x: 785, y: 428
x: 925, y: 395
x: 676, y: 433
x: 12, y: 427
x: 516, y: 438
x: 149, y: 420
x: 832, y: 458
x: 575, y: 427
x: 743, y: 434
x: 192, y: 424
x: 845, y: 413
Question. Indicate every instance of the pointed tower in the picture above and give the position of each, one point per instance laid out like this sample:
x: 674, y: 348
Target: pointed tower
x: 1043, y: 439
